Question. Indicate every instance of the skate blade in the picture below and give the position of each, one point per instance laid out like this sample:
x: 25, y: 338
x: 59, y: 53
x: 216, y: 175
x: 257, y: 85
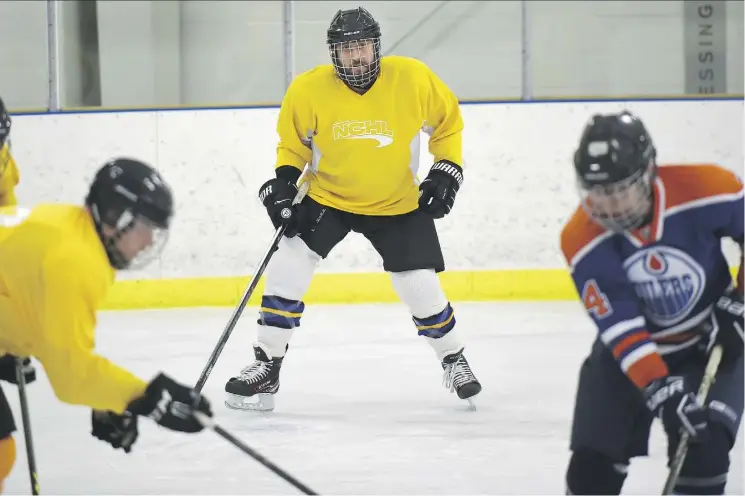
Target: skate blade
x: 256, y: 403
x: 471, y: 404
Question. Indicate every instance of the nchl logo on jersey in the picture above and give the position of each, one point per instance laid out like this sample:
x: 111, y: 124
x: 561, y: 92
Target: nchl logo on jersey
x: 377, y: 130
x: 668, y: 281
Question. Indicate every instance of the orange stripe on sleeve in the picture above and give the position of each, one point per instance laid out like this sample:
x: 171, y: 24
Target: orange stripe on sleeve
x: 577, y: 233
x: 687, y: 183
x: 629, y: 341
x: 647, y: 369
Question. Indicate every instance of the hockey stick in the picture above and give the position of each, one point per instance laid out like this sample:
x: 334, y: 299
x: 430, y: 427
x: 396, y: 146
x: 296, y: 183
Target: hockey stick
x: 30, y: 456
x: 680, y: 453
x: 302, y: 191
x: 209, y: 423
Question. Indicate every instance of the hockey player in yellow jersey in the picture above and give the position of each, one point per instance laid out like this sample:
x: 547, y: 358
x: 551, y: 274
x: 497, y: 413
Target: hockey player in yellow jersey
x: 57, y: 263
x: 357, y: 123
x: 9, y: 176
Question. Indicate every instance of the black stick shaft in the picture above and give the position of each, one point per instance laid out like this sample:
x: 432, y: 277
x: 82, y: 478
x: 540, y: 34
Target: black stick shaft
x: 682, y: 450
x: 209, y: 423
x: 302, y: 191
x: 30, y: 456
x: 238, y: 310
x: 263, y: 460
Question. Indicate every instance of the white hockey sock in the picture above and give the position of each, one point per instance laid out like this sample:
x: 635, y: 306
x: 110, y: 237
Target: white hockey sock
x: 447, y: 345
x: 275, y: 339
x: 288, y: 277
x: 421, y: 291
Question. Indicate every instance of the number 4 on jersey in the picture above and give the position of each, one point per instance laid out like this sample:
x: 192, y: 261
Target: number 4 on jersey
x: 595, y: 300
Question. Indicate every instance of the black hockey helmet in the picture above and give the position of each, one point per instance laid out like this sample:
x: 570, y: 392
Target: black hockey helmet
x: 615, y: 166
x: 132, y: 207
x: 5, y: 124
x: 354, y: 43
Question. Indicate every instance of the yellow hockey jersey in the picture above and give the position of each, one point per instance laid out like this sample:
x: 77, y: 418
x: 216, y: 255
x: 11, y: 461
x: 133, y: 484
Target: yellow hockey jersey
x: 54, y: 274
x: 9, y: 177
x: 363, y: 150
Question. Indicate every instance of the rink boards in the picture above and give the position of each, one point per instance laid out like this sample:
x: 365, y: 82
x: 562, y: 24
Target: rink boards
x: 500, y: 242
x: 372, y: 287
x: 485, y: 285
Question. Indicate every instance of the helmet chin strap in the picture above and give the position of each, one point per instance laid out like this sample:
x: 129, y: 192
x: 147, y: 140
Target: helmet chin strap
x: 116, y: 257
x: 123, y: 224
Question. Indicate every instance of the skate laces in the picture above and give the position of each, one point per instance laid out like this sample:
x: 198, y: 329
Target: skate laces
x: 255, y: 372
x: 457, y: 373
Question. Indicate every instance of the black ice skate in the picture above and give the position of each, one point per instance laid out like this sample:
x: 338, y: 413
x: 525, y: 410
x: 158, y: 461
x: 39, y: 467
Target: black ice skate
x: 458, y: 377
x: 254, y: 388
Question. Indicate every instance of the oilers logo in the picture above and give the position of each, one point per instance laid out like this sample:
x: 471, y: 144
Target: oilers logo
x: 669, y: 282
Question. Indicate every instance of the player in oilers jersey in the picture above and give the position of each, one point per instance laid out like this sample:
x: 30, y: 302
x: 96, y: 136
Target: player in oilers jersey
x: 644, y: 250
x: 57, y: 263
x: 356, y: 123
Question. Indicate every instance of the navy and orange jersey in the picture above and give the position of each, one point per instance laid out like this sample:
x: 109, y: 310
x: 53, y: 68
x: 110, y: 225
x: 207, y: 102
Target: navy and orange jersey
x: 647, y: 289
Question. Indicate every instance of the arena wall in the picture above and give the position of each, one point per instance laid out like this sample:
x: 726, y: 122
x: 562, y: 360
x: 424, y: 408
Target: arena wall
x: 500, y: 242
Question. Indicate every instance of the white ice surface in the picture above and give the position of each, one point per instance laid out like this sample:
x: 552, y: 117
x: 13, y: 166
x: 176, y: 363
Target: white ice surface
x: 361, y: 409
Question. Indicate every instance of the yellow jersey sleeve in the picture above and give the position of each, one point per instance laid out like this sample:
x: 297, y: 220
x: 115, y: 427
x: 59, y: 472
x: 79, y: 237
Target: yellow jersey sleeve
x: 295, y: 127
x: 72, y: 293
x: 443, y: 120
x: 9, y: 178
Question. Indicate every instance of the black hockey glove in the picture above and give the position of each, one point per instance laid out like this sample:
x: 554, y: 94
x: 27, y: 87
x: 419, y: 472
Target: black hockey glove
x: 437, y: 191
x: 118, y: 430
x: 728, y: 313
x: 171, y: 405
x: 8, y: 370
x: 277, y: 195
x: 673, y: 402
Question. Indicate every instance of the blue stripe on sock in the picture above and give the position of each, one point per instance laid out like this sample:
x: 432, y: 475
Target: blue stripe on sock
x: 282, y: 304
x: 436, y: 326
x: 272, y: 308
